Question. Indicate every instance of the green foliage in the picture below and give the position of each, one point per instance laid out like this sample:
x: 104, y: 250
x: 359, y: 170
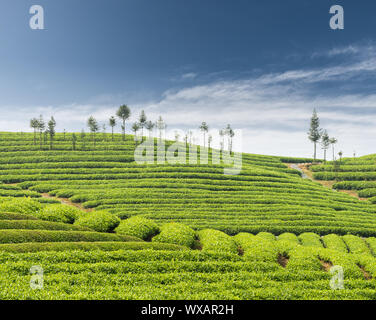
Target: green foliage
x: 214, y: 240
x: 39, y: 225
x: 310, y: 239
x: 87, y: 246
x: 20, y: 205
x: 59, y: 213
x: 355, y: 244
x: 138, y: 227
x: 21, y: 236
x: 334, y: 242
x: 101, y: 221
x: 176, y: 233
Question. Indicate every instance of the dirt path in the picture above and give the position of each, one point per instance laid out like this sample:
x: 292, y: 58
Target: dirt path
x: 66, y: 201
x: 307, y: 174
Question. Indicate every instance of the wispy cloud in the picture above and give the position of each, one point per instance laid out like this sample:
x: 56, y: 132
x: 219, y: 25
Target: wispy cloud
x: 273, y: 109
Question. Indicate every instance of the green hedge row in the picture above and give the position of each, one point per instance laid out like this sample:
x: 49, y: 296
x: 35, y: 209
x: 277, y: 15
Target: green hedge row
x: 20, y: 236
x: 39, y: 225
x: 87, y: 246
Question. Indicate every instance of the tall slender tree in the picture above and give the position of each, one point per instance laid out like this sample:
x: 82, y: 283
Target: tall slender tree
x: 123, y: 113
x: 204, y: 129
x: 325, y: 142
x: 83, y: 139
x: 210, y: 139
x: 34, y: 124
x: 230, y: 134
x: 104, y: 132
x: 51, y: 131
x: 161, y: 127
x: 135, y: 128
x: 112, y: 122
x: 74, y: 141
x: 93, y: 126
x: 340, y: 154
x: 314, y: 133
x: 142, y: 121
x: 149, y: 125
x: 333, y: 141
x: 222, y: 134
x: 41, y: 126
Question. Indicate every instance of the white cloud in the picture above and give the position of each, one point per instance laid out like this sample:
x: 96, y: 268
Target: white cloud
x: 273, y: 110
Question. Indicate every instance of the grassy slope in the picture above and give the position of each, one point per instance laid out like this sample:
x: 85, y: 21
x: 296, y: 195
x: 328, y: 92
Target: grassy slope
x: 266, y: 196
x: 356, y: 174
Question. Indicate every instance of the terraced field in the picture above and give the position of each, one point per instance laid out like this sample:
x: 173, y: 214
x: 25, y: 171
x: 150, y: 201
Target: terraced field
x: 131, y: 231
x: 357, y: 174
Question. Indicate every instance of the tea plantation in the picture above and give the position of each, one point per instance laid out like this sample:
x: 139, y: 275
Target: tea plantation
x: 176, y: 231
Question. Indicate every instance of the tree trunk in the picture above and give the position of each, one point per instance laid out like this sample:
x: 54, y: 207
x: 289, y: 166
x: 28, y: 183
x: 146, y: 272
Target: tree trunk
x: 123, y: 129
x: 112, y: 133
x: 333, y: 151
x: 314, y: 153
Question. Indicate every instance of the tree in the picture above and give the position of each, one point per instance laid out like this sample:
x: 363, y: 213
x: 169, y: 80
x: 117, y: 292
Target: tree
x: 230, y: 133
x: 177, y: 136
x: 51, y: 130
x: 210, y: 139
x: 314, y: 133
x: 34, y: 125
x: 83, y: 139
x: 340, y: 154
x: 93, y: 126
x: 45, y: 135
x: 325, y: 142
x: 41, y: 126
x: 104, y: 131
x: 142, y: 122
x: 204, y: 128
x: 333, y: 141
x: 161, y: 127
x: 112, y: 123
x: 74, y: 140
x: 123, y: 113
x: 64, y: 132
x: 135, y: 128
x: 222, y: 142
x: 149, y: 125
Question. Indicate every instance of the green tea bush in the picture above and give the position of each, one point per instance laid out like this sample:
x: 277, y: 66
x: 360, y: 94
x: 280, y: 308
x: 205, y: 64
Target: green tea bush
x: 16, y: 216
x: 287, y: 236
x: 101, y: 221
x: 176, y: 233
x: 59, y: 213
x: 309, y: 239
x: 39, y: 225
x: 356, y: 244
x: 217, y: 241
x: 21, y: 236
x: 20, y: 205
x: 334, y: 242
x: 139, y: 227
x: 88, y: 246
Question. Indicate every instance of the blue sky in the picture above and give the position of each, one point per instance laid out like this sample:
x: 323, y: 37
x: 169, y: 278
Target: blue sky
x: 260, y: 65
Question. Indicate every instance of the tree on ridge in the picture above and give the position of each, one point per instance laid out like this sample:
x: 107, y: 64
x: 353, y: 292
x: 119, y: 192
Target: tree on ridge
x: 123, y: 113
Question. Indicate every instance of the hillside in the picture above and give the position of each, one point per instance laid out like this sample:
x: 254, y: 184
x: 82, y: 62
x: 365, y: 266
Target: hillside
x: 186, y: 231
x: 357, y: 174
